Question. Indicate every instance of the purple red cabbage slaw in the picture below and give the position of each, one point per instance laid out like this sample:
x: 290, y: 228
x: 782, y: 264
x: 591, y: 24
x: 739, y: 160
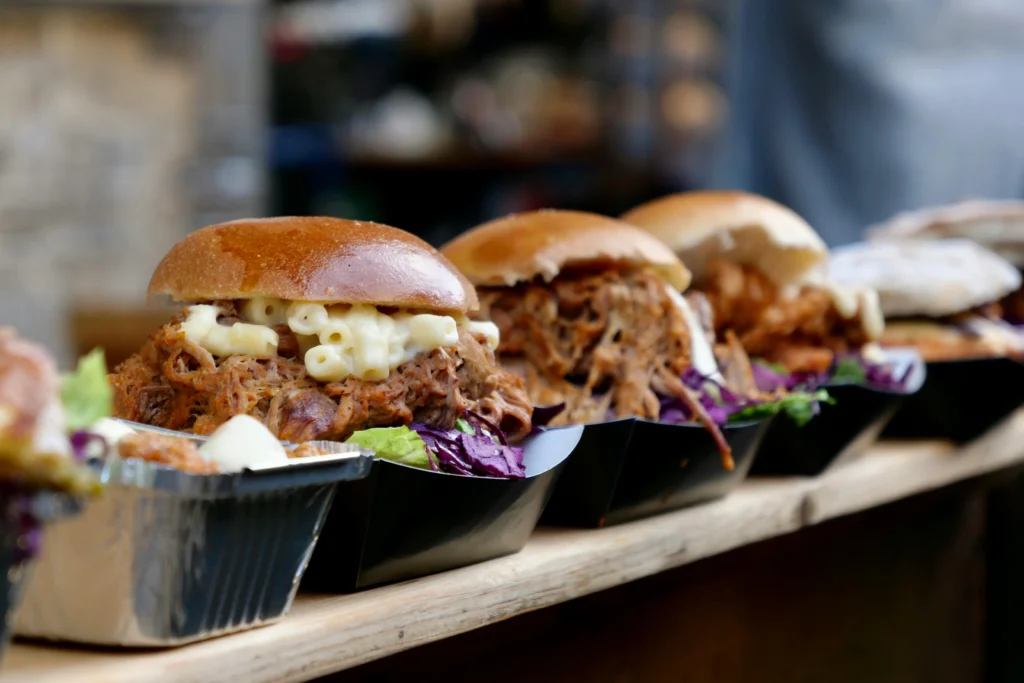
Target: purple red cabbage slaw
x: 478, y: 447
x: 474, y: 447
x: 21, y: 526
x: 725, y: 406
x: 850, y: 368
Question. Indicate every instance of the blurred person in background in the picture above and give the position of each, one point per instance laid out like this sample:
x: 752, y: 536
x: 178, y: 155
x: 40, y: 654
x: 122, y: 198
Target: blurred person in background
x: 852, y: 110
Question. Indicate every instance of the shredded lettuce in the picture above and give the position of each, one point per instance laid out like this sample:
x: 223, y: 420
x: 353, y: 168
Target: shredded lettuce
x: 85, y: 393
x: 799, y: 406
x: 848, y: 370
x: 398, y: 444
x: 725, y: 406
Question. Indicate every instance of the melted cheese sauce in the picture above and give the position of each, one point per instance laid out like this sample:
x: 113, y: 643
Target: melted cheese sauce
x: 335, y: 341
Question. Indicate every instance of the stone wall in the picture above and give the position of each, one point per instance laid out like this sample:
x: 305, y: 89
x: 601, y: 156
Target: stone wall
x: 120, y: 131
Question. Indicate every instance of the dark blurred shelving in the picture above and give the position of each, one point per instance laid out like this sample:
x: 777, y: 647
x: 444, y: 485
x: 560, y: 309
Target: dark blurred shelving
x: 392, y: 110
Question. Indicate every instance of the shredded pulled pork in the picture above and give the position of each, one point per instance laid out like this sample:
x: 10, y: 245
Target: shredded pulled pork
x: 173, y: 451
x: 734, y: 364
x: 306, y: 450
x: 1011, y: 308
x: 606, y: 343
x: 176, y: 384
x: 803, y: 332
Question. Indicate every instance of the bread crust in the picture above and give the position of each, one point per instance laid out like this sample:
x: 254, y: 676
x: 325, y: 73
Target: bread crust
x: 525, y: 246
x: 735, y: 226
x: 328, y: 260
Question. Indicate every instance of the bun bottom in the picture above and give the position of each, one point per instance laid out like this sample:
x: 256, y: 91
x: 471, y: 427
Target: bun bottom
x: 938, y: 341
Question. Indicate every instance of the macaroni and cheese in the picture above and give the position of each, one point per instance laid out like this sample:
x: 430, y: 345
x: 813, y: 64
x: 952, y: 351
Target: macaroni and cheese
x: 336, y: 341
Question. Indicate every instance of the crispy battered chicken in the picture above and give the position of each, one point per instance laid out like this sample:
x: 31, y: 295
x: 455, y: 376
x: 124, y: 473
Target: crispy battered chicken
x: 176, y: 384
x: 801, y: 332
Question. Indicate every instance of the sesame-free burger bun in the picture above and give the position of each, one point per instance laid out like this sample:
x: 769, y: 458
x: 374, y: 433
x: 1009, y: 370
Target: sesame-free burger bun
x: 327, y: 260
x: 996, y: 225
x: 925, y: 278
x: 524, y: 246
x: 733, y: 226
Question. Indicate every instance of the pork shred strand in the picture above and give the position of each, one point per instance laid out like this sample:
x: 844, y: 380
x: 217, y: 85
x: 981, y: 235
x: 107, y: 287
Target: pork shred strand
x: 176, y: 384
x: 802, y: 332
x: 606, y: 343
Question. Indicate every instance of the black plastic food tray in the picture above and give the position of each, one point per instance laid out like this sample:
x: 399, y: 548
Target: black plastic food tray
x: 839, y: 432
x: 960, y: 400
x: 842, y: 430
x: 632, y: 468
x: 403, y: 522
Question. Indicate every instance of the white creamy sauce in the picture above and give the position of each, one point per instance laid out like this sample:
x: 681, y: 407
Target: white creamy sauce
x: 702, y: 356
x: 112, y: 431
x: 241, y: 442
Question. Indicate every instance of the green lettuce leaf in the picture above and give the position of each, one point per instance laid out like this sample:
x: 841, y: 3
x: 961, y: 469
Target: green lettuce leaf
x: 462, y: 424
x: 398, y: 444
x: 85, y: 393
x: 799, y: 406
x: 849, y: 371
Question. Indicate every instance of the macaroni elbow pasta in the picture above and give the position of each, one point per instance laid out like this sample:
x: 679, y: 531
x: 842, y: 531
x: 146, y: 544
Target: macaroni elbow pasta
x: 201, y: 327
x: 335, y: 342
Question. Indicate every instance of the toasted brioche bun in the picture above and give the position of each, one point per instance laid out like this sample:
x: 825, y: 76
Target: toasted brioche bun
x: 328, y: 260
x: 936, y: 341
x: 925, y: 278
x: 996, y: 225
x: 734, y: 226
x: 523, y: 246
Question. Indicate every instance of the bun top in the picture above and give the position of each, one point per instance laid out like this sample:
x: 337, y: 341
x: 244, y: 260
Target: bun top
x: 996, y: 225
x: 327, y: 260
x: 523, y: 246
x: 734, y: 226
x: 925, y: 278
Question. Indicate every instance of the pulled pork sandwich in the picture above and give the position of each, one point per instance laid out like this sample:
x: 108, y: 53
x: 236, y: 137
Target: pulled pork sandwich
x: 591, y: 315
x: 996, y: 225
x: 940, y: 297
x: 760, y: 267
x: 328, y: 329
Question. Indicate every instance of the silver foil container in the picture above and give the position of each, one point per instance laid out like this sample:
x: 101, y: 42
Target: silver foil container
x: 165, y: 557
x: 21, y: 516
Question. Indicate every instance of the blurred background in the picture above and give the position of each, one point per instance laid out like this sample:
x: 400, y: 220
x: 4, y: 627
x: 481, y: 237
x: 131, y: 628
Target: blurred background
x: 124, y: 125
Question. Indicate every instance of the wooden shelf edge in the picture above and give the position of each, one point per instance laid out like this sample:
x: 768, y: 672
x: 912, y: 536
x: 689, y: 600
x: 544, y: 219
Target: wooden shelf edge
x: 325, y: 634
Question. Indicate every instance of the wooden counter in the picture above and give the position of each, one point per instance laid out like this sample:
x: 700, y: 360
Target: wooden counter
x: 332, y: 633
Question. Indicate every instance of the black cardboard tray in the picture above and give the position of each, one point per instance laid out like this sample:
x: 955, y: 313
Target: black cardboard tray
x: 632, y: 468
x: 841, y: 431
x: 403, y: 522
x: 960, y: 400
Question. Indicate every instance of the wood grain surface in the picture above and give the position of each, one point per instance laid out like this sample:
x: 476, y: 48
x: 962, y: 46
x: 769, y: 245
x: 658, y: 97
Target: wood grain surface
x: 325, y: 634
